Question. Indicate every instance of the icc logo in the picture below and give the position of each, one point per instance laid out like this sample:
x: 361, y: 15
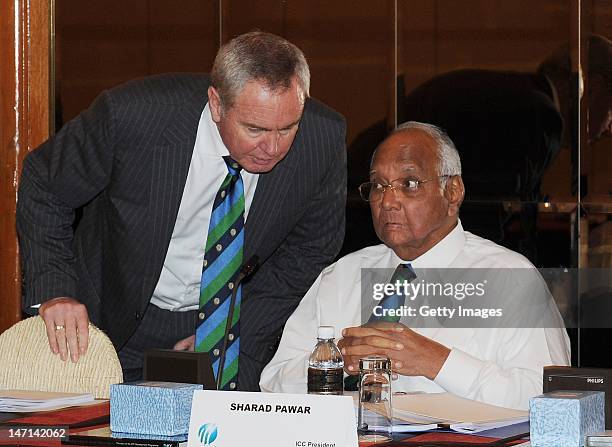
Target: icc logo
x: 207, y: 434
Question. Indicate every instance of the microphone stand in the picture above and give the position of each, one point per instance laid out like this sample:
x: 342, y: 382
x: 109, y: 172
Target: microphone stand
x: 246, y: 270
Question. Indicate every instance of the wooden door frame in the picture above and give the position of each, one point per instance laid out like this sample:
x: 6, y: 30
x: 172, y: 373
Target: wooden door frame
x: 25, y: 43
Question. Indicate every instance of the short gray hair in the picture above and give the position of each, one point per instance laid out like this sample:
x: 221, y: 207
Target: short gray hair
x: 449, y: 162
x: 258, y: 56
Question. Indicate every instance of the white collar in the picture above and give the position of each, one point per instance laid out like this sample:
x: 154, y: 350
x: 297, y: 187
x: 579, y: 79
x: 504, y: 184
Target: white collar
x: 217, y: 148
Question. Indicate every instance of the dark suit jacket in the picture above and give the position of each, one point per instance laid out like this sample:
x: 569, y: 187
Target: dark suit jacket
x: 124, y: 162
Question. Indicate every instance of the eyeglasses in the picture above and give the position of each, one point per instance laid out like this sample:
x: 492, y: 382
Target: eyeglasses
x: 373, y: 191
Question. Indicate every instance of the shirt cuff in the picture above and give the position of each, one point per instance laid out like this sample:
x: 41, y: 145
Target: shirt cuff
x: 459, y: 372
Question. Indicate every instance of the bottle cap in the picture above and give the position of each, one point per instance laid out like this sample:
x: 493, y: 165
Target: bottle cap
x: 325, y: 332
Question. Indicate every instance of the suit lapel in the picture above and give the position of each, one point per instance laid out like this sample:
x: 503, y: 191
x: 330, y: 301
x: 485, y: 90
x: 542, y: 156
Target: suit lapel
x: 171, y: 160
x: 272, y: 189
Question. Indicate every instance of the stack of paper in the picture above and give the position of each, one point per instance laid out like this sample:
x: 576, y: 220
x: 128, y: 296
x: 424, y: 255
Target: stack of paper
x: 426, y: 411
x: 19, y: 401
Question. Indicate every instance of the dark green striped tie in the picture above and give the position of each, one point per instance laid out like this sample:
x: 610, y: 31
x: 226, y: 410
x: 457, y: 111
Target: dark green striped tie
x: 222, y: 262
x: 403, y: 273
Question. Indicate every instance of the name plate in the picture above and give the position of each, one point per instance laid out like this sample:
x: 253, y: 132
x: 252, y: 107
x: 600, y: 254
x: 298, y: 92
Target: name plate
x: 239, y: 419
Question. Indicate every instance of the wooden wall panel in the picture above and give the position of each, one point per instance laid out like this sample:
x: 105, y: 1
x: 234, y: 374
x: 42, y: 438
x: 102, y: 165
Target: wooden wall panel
x: 24, y: 123
x: 98, y: 45
x: 436, y: 36
x: 102, y: 44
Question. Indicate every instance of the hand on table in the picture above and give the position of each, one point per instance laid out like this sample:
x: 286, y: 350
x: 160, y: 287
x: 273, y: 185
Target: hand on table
x: 411, y: 354
x: 67, y: 326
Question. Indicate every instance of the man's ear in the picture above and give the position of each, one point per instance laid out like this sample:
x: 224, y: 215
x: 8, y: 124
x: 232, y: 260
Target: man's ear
x: 216, y: 108
x: 454, y: 192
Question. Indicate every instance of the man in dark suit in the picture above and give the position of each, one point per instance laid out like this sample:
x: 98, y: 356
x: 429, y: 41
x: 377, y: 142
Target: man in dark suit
x: 143, y: 165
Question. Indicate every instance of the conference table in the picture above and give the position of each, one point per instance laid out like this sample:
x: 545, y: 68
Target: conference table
x: 82, y: 418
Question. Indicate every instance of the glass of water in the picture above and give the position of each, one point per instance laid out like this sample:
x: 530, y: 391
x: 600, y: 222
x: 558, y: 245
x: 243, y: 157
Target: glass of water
x: 375, y: 418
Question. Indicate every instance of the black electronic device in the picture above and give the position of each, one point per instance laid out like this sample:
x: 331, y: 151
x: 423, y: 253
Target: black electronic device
x: 167, y: 365
x: 581, y: 379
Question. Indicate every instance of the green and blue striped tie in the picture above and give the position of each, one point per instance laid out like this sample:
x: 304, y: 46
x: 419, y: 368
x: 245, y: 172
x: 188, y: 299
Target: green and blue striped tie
x: 222, y: 262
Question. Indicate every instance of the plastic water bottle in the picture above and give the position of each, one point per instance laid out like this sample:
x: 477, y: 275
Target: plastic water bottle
x: 325, y: 366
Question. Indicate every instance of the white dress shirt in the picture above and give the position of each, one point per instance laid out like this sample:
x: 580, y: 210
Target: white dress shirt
x: 178, y: 288
x: 500, y: 366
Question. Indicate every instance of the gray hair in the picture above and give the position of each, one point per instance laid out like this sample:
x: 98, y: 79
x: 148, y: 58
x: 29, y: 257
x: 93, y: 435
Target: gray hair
x: 449, y: 162
x: 258, y: 56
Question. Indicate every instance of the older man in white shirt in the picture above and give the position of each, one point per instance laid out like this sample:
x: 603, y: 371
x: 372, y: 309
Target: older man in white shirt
x: 415, y: 192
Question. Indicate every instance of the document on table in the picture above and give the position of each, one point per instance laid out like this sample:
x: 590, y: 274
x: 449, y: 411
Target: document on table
x: 459, y: 414
x: 20, y: 401
x: 429, y: 411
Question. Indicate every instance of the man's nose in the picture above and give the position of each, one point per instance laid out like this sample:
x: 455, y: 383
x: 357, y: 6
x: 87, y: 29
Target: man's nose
x: 270, y: 143
x: 390, y: 198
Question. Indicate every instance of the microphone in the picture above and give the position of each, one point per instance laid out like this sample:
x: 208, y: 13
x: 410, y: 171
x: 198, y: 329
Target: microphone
x: 246, y: 270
